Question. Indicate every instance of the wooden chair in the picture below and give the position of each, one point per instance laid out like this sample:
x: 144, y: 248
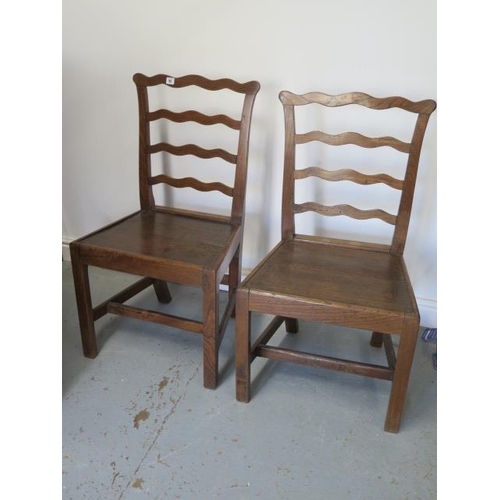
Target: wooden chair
x: 162, y: 243
x: 339, y: 281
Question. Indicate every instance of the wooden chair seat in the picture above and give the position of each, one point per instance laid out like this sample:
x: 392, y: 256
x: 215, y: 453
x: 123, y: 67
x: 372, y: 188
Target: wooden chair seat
x: 178, y: 248
x: 335, y: 278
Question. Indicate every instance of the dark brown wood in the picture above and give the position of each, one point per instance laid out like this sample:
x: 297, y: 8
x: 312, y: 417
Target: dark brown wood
x: 404, y: 212
x: 267, y: 334
x: 406, y: 351
x: 288, y: 197
x: 242, y: 349
x: 162, y: 291
x: 84, y: 303
x: 389, y: 351
x: 155, y: 317
x: 166, y: 244
x: 251, y: 88
x: 346, y: 174
x: 192, y: 183
x: 291, y: 325
x: 316, y: 360
x: 426, y: 107
x: 228, y: 312
x: 192, y: 149
x: 344, y: 209
x: 352, y: 138
x: 123, y: 296
x: 345, y: 282
x: 377, y: 339
x: 210, y: 330
x: 194, y: 116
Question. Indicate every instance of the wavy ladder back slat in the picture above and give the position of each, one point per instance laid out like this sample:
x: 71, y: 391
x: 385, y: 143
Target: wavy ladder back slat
x: 406, y: 185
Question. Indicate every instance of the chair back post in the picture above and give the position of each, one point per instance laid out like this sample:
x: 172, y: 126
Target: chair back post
x: 406, y: 202
x: 240, y: 180
x: 288, y: 196
x: 145, y: 189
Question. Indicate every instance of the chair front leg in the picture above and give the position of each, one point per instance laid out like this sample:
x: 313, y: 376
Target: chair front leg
x: 242, y: 346
x: 399, y: 388
x: 210, y: 331
x: 84, y: 304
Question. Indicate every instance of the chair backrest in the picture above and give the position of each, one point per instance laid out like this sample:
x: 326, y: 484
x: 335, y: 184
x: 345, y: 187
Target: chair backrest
x: 406, y: 184
x: 239, y: 123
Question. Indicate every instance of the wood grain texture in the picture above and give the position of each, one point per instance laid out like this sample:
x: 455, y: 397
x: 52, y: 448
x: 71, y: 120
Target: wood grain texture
x: 352, y: 138
x: 192, y: 149
x: 194, y: 116
x: 191, y: 182
x: 348, y: 210
x: 198, y: 81
x: 348, y: 175
x: 155, y: 317
x: 426, y: 106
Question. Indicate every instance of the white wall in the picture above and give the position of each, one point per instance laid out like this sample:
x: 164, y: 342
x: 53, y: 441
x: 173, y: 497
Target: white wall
x: 382, y: 48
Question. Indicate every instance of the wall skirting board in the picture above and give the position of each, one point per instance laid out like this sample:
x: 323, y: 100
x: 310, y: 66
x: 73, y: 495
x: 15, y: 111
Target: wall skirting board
x: 65, y: 249
x: 428, y: 312
x: 427, y: 307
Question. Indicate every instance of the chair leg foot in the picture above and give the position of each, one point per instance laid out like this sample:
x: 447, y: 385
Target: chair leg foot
x: 162, y: 291
x: 377, y: 339
x: 210, y: 362
x: 91, y: 354
x: 209, y: 379
x: 291, y: 325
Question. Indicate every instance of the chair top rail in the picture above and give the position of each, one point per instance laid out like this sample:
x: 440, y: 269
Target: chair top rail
x: 251, y: 87
x: 426, y: 106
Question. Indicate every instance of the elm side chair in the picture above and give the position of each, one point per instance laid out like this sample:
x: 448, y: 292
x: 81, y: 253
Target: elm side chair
x: 363, y: 286
x: 164, y: 244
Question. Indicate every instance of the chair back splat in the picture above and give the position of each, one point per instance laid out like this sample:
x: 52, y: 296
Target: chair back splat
x: 163, y: 242
x: 350, y: 282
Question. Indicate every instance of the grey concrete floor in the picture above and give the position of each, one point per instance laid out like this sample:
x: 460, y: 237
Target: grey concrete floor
x: 137, y: 422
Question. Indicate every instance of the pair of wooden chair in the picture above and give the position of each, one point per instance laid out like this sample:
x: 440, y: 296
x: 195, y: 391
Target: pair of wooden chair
x: 341, y: 281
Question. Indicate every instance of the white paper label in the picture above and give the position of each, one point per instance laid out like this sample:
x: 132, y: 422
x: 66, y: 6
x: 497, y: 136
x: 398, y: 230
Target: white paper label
x: 170, y: 80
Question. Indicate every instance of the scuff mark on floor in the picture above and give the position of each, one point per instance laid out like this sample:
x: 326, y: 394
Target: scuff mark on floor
x: 162, y: 384
x: 138, y: 483
x: 142, y: 415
